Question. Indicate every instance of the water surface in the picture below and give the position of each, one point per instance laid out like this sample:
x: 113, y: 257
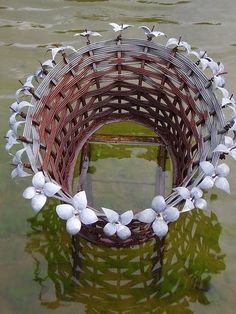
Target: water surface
x: 39, y: 273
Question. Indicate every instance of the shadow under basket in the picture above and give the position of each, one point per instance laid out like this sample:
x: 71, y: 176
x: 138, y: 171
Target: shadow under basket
x: 129, y: 80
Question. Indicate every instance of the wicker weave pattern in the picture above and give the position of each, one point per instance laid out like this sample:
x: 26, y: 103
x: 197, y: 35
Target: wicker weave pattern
x: 137, y: 81
x: 123, y: 80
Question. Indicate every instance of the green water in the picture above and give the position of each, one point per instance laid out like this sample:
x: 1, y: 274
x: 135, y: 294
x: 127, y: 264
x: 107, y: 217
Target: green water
x: 40, y: 270
x: 124, y: 176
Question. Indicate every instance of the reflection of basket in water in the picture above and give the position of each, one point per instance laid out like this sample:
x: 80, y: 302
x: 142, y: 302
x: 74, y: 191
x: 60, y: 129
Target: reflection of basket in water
x: 148, y: 278
x: 124, y: 80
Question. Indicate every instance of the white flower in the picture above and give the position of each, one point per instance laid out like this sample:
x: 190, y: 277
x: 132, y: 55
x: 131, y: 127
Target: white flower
x: 228, y: 147
x: 215, y: 175
x: 178, y: 43
x: 159, y: 215
x: 18, y: 106
x: 11, y: 140
x: 19, y: 167
x: 13, y: 123
x: 219, y: 81
x: 227, y: 99
x: 216, y: 67
x: 56, y: 50
x: 117, y: 224
x: 40, y: 190
x: 151, y: 33
x: 76, y: 213
x: 88, y: 34
x: 193, y: 198
x: 120, y: 28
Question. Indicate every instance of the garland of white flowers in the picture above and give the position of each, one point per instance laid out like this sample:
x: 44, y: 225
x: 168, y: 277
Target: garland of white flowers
x: 75, y: 210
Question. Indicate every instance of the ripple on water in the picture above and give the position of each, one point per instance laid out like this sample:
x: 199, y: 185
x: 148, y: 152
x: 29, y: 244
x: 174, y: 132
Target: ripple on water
x: 29, y: 9
x: 76, y: 31
x: 25, y: 25
x: 164, y: 3
x: 159, y: 20
x: 87, y: 0
x: 207, y: 23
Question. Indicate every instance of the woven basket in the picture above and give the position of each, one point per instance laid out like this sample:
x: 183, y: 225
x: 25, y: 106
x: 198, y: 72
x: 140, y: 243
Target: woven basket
x: 126, y: 80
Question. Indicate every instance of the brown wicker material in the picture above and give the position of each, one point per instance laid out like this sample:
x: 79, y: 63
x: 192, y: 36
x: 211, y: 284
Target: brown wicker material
x: 137, y: 81
x: 123, y: 80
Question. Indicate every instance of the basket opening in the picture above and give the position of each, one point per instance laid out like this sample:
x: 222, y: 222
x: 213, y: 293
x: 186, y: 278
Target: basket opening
x: 125, y: 166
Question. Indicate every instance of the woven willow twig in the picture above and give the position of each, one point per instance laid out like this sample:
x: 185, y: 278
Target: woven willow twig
x: 127, y: 80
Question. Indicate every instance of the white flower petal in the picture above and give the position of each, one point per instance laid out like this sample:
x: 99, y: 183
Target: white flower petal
x: 196, y: 193
x: 38, y: 201
x: 126, y: 217
x: 73, y: 225
x: 17, y: 158
x: 183, y: 192
x: 80, y: 200
x: 188, y: 206
x: 172, y: 41
x: 160, y: 228
x: 88, y: 216
x: 229, y: 142
x: 225, y: 92
x: 222, y: 170
x: 111, y: 215
x: 219, y: 81
x: 222, y: 184
x: 123, y: 232
x: 147, y: 215
x: 171, y: 214
x: 14, y: 173
x: 38, y: 180
x: 204, y: 63
x: 207, y: 183
x: 201, y: 203
x: 225, y: 101
x: 109, y: 229
x: 29, y: 192
x: 158, y: 203
x: 65, y: 211
x: 207, y: 168
x: 19, y: 171
x: 51, y: 189
x: 221, y: 148
x: 232, y: 153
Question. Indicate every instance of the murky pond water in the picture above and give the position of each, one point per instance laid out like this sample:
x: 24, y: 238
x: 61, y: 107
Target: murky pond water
x: 40, y: 269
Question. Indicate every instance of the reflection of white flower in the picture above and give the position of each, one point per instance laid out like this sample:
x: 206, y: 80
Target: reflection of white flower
x: 193, y: 198
x: 117, y: 224
x: 159, y: 215
x: 215, y: 175
x: 76, y: 213
x: 40, y: 190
